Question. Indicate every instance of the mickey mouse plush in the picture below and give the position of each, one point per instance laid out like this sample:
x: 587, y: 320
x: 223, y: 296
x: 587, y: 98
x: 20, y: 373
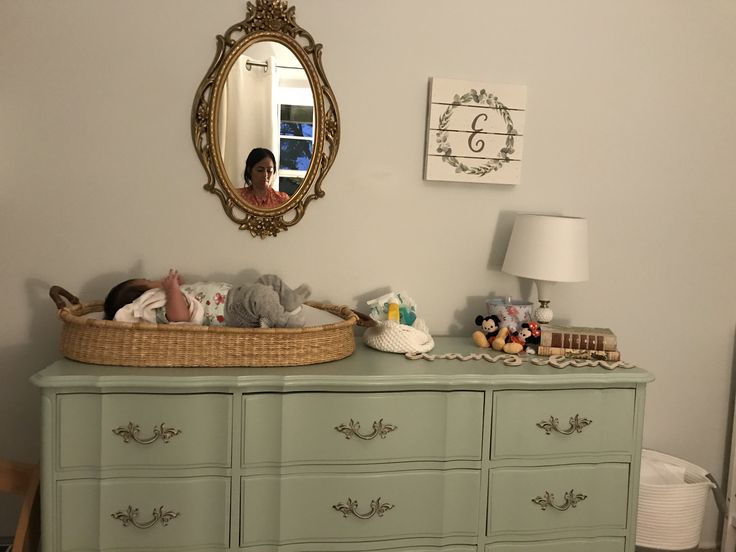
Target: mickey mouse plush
x: 490, y: 325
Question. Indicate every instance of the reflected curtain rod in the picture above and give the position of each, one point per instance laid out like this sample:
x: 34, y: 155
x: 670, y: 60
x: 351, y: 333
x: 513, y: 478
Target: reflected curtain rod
x: 250, y: 64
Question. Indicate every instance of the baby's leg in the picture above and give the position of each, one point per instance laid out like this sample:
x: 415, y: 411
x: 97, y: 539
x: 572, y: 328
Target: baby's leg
x: 290, y: 298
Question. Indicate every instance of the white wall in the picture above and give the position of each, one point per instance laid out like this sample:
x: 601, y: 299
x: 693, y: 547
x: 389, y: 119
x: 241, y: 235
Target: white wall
x: 631, y: 122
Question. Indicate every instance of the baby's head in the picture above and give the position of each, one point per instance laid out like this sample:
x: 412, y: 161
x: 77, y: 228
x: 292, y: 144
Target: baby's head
x: 125, y: 293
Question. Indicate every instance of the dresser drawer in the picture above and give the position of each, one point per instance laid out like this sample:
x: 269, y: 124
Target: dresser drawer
x: 550, y: 499
x: 603, y: 544
x: 172, y: 513
x: 123, y: 430
x: 562, y: 423
x: 333, y: 428
x: 306, y: 508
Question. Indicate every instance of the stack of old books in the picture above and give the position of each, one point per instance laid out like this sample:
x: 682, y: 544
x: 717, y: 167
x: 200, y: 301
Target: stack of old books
x: 578, y: 342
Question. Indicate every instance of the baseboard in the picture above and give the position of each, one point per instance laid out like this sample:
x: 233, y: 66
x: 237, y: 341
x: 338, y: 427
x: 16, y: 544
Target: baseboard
x: 703, y: 548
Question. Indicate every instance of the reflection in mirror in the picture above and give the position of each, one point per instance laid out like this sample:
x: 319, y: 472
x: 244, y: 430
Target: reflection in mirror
x: 268, y: 87
x: 260, y: 170
x: 266, y: 90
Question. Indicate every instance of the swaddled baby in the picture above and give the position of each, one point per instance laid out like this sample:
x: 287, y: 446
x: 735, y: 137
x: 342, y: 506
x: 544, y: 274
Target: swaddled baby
x: 266, y: 303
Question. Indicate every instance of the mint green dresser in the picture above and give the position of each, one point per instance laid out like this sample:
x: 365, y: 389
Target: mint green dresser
x: 371, y: 453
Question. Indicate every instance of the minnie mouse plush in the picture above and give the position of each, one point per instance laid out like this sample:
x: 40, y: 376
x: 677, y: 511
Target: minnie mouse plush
x: 530, y: 334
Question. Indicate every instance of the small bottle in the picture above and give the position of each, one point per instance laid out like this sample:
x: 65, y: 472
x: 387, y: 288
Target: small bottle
x: 393, y: 312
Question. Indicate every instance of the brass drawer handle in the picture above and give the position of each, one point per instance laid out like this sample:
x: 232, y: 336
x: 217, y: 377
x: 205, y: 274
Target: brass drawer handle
x: 353, y: 429
x: 378, y: 508
x: 159, y: 432
x: 548, y: 500
x: 129, y: 517
x: 576, y: 425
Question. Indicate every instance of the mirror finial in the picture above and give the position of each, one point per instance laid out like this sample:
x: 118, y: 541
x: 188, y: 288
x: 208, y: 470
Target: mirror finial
x: 271, y: 15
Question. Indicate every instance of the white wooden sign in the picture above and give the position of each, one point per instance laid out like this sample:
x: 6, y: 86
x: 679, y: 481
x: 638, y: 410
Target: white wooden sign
x: 475, y: 132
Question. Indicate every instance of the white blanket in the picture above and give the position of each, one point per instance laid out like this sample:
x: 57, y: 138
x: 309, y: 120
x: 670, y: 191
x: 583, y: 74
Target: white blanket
x: 144, y: 308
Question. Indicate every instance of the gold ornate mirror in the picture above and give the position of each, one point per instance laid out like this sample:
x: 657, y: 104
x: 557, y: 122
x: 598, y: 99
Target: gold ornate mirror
x: 266, y: 88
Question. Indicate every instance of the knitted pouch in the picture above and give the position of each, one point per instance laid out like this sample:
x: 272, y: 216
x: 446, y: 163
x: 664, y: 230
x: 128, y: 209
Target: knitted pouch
x: 393, y: 337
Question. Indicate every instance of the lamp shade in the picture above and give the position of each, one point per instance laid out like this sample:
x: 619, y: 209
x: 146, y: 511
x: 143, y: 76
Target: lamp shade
x: 548, y: 247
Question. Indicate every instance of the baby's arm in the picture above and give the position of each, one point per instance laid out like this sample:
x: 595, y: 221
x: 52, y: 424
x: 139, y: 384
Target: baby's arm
x: 177, y: 308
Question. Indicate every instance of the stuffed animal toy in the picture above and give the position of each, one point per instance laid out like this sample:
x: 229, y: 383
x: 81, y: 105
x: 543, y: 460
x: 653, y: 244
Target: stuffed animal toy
x: 489, y: 324
x: 530, y: 333
x: 267, y: 303
x: 503, y: 342
x: 530, y: 336
x: 489, y: 329
x: 516, y: 338
x: 499, y: 339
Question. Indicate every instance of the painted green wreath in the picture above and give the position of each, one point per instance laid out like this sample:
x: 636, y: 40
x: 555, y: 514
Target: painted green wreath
x: 490, y: 165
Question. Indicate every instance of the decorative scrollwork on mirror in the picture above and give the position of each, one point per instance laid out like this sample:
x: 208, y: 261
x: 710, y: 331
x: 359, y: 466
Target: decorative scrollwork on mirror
x: 266, y: 88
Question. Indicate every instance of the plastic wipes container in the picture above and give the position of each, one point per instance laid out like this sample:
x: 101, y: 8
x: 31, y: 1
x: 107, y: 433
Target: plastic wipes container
x: 672, y: 495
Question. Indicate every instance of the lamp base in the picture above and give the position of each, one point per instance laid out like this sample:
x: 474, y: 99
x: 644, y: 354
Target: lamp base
x: 543, y: 314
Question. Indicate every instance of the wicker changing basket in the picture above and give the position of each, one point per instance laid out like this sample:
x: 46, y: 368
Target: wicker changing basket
x: 91, y: 340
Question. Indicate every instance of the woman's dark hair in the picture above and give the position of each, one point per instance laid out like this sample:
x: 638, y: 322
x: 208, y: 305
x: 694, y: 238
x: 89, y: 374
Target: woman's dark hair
x: 122, y: 294
x: 255, y: 156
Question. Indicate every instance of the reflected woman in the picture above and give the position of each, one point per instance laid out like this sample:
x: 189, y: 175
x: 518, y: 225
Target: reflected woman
x: 260, y: 166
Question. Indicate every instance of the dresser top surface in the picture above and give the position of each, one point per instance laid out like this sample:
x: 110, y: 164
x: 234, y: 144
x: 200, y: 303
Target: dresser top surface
x: 364, y: 367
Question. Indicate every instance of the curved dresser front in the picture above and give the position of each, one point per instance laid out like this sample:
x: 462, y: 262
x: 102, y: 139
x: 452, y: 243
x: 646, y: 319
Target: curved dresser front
x: 375, y: 452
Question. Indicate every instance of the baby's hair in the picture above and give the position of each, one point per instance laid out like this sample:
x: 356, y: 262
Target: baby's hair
x: 122, y: 294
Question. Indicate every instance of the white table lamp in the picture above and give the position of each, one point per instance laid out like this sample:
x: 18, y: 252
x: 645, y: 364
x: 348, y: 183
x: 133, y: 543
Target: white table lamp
x: 548, y: 249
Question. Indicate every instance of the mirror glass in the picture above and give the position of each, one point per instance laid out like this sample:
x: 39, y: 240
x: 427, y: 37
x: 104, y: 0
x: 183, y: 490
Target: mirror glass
x: 267, y: 102
x: 266, y: 98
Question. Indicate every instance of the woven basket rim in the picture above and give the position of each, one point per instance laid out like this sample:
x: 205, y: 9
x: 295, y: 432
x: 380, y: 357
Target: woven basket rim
x: 109, y: 342
x: 75, y: 314
x: 692, y: 471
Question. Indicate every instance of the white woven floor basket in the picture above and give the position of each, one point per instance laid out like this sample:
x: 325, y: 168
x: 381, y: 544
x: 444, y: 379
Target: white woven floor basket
x: 671, y: 516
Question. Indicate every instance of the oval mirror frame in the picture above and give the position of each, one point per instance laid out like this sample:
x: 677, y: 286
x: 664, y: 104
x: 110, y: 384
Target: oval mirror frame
x: 267, y: 20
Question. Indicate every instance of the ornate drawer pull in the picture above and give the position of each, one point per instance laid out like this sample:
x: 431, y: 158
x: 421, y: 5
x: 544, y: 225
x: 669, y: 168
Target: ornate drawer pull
x: 353, y: 429
x: 159, y: 432
x: 377, y: 508
x: 159, y: 516
x: 548, y: 500
x: 576, y: 425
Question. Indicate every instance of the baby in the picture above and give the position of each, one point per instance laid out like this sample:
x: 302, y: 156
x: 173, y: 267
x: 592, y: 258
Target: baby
x: 267, y: 303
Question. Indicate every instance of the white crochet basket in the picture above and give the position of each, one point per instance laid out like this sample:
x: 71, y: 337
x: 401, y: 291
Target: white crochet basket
x: 670, y: 516
x: 393, y: 337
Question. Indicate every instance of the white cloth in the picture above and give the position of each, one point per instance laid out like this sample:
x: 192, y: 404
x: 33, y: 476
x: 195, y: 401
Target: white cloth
x: 318, y: 317
x: 656, y: 472
x: 144, y: 308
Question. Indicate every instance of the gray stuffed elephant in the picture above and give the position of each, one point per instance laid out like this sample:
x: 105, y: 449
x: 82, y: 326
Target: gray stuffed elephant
x: 266, y: 303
